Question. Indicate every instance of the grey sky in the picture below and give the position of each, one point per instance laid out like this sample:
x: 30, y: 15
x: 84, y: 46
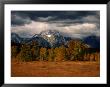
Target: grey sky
x: 71, y: 23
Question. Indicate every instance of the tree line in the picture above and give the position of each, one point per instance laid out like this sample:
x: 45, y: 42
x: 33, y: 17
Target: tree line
x: 74, y: 51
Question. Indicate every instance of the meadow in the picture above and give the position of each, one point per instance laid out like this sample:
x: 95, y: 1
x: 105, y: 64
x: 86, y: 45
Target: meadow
x: 55, y: 69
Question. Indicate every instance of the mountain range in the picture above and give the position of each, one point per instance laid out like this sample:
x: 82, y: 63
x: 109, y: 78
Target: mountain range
x: 53, y: 38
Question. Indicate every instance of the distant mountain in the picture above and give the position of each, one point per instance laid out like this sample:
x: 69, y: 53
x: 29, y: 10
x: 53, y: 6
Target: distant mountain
x: 93, y: 41
x: 53, y: 38
x: 48, y: 38
x: 15, y: 38
x: 41, y: 41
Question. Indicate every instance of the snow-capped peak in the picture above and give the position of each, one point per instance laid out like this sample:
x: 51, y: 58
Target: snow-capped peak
x: 48, y: 35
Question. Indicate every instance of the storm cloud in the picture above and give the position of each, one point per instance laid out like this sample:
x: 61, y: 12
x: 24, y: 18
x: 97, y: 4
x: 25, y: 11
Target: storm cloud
x: 70, y: 23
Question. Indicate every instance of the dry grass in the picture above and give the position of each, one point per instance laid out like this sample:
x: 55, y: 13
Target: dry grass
x: 55, y: 69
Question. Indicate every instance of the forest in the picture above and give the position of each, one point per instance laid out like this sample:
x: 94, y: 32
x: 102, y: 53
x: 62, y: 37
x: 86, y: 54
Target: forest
x: 75, y: 50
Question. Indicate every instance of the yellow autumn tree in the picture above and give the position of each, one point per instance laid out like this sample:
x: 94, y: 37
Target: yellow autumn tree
x: 51, y: 54
x: 35, y: 50
x: 75, y: 50
x: 14, y: 51
x: 60, y: 53
x: 25, y: 53
x: 43, y: 54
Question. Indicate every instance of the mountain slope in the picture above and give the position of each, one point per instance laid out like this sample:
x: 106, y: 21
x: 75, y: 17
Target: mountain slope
x: 93, y: 41
x: 53, y: 38
x: 15, y: 38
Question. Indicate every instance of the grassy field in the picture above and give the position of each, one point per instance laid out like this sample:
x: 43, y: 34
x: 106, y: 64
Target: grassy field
x: 55, y: 69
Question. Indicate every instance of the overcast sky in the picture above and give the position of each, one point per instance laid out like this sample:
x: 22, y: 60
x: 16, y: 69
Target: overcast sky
x: 71, y: 23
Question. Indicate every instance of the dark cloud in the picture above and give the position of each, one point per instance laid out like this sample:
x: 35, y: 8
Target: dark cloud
x: 71, y: 23
x: 74, y: 16
x: 17, y: 19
